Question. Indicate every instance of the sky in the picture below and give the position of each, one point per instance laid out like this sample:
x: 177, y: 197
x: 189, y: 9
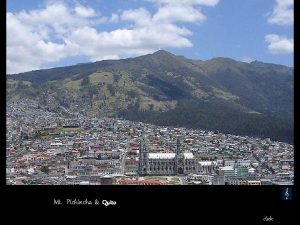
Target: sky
x: 53, y: 33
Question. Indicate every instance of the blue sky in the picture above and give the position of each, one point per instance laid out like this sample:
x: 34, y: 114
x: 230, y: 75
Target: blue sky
x: 51, y: 33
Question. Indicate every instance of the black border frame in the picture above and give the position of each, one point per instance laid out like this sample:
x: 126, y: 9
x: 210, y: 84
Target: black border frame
x: 241, y: 204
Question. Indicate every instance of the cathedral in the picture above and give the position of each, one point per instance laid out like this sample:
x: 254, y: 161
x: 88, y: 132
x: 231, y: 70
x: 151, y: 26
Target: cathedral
x: 167, y: 164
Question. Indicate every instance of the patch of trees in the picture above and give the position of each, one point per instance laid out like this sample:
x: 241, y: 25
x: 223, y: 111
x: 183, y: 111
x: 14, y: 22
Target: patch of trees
x: 217, y: 116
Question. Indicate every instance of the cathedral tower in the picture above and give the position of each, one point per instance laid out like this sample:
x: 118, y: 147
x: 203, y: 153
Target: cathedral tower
x: 143, y: 157
x: 179, y: 159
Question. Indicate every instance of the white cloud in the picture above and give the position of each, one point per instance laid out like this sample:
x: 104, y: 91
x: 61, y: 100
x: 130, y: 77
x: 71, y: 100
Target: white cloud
x: 279, y: 44
x: 129, y: 42
x: 175, y: 13
x: 55, y: 17
x: 47, y: 35
x: 188, y: 2
x: 114, y: 18
x: 139, y: 16
x: 84, y: 11
x: 283, y: 13
x: 181, y: 10
x: 247, y: 59
x: 31, y: 35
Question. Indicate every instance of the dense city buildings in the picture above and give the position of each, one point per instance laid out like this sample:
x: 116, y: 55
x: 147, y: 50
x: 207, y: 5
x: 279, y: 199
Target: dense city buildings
x: 61, y: 147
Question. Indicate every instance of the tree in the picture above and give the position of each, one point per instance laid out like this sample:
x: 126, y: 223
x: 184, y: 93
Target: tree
x: 85, y: 81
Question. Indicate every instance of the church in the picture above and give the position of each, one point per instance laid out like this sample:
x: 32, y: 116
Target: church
x: 167, y: 164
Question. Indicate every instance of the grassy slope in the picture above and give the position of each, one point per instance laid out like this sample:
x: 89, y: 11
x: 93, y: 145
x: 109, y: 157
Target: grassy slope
x: 219, y: 94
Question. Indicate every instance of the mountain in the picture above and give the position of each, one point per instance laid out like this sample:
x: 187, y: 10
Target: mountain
x: 220, y: 94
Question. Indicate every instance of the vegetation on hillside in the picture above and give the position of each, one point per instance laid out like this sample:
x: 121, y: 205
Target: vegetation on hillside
x: 219, y: 94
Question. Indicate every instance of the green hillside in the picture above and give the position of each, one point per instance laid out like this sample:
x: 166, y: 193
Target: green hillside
x: 219, y: 94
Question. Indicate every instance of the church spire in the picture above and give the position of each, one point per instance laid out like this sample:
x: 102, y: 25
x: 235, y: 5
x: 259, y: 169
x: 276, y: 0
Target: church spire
x: 178, y: 146
x: 143, y: 146
x: 143, y: 155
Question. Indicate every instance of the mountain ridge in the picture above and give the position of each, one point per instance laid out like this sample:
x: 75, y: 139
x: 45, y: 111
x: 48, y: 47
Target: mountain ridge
x: 159, y: 52
x: 163, y: 88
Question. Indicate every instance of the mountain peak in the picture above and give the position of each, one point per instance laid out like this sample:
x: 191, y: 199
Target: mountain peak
x: 222, y: 59
x: 162, y: 52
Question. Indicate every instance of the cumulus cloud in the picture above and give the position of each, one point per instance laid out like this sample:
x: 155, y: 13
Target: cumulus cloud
x: 139, y: 16
x: 283, y: 13
x: 84, y: 11
x: 42, y: 36
x: 279, y: 44
x: 31, y: 35
x: 175, y: 13
x: 188, y: 2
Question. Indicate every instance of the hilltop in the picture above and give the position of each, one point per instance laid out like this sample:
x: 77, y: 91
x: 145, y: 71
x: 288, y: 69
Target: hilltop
x: 220, y: 94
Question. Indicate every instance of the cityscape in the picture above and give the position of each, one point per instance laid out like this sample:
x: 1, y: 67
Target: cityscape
x: 48, y: 146
x: 150, y: 92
